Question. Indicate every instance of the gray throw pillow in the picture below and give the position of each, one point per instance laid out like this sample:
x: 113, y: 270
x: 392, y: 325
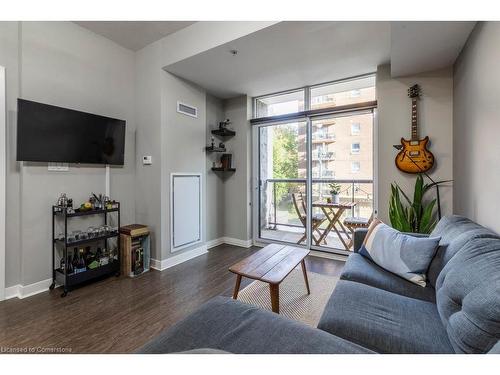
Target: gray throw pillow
x: 399, y: 253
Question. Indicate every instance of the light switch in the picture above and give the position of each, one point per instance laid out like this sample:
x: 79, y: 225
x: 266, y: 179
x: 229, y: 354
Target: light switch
x: 147, y: 160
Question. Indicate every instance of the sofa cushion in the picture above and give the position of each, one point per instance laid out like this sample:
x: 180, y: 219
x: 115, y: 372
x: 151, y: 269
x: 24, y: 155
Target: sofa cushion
x: 468, y: 296
x: 404, y: 255
x: 383, y: 321
x: 236, y: 327
x: 455, y: 231
x: 362, y: 270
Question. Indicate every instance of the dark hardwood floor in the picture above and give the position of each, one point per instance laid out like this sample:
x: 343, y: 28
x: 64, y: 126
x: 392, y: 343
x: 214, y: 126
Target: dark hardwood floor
x: 118, y: 315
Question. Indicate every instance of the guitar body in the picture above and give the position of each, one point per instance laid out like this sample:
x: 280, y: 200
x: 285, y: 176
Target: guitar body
x: 414, y: 156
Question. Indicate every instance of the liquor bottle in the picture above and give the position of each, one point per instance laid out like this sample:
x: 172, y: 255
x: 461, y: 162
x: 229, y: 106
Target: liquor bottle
x: 98, y: 254
x: 74, y: 262
x: 81, y: 262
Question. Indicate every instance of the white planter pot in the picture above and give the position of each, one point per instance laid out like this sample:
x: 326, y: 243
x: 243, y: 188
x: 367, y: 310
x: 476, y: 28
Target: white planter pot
x: 335, y: 198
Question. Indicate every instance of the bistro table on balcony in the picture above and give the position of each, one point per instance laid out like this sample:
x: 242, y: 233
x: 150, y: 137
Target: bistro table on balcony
x: 333, y: 213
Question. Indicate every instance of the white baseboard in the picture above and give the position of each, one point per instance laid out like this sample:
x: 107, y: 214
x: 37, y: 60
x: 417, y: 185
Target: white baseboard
x: 213, y: 243
x: 178, y: 259
x: 229, y: 241
x: 237, y: 242
x: 23, y: 291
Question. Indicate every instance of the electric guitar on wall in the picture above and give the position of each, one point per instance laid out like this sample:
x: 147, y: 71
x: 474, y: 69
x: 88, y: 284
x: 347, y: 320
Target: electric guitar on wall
x: 414, y: 156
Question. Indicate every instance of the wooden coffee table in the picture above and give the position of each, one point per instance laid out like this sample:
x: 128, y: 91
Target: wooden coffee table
x: 271, y: 265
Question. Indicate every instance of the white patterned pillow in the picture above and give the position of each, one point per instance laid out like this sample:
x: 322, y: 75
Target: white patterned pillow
x: 402, y: 254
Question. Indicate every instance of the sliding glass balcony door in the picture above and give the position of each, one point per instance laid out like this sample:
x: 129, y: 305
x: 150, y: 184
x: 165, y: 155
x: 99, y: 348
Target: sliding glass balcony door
x: 338, y: 160
x: 282, y: 182
x: 342, y: 178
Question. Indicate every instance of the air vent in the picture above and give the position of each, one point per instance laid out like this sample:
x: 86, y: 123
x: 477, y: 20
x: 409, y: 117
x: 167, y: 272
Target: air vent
x: 187, y: 110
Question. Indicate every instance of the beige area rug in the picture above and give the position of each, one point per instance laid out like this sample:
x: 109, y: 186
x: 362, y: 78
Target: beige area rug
x: 295, y: 303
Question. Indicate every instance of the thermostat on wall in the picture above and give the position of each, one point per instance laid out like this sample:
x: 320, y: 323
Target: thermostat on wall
x: 147, y: 160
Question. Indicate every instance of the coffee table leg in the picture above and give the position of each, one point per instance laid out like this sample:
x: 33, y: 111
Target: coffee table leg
x: 237, y: 287
x: 275, y: 297
x: 304, y: 271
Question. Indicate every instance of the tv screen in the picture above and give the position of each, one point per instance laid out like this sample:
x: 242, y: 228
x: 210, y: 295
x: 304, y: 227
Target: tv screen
x: 46, y: 133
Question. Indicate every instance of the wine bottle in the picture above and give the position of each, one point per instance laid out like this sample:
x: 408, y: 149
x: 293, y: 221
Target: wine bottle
x: 70, y: 268
x: 81, y: 262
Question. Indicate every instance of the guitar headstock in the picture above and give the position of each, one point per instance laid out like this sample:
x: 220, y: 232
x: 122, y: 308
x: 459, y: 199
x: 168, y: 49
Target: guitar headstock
x: 414, y: 91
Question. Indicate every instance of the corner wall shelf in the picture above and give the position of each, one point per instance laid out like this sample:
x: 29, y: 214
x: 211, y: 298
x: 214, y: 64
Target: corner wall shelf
x: 224, y: 132
x: 215, y: 149
x: 224, y: 169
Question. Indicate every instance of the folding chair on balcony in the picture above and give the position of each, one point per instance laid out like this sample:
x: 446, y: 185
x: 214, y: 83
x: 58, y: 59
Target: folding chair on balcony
x: 317, y: 219
x: 353, y: 223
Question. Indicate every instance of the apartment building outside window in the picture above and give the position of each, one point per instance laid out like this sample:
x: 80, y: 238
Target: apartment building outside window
x: 355, y: 166
x: 355, y: 128
x: 355, y: 148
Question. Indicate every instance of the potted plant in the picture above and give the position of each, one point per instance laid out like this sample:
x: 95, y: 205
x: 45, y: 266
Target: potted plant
x: 335, y: 192
x: 417, y: 216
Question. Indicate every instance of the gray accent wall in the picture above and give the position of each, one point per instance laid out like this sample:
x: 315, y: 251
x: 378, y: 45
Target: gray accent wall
x: 237, y: 188
x: 394, y: 120
x: 63, y: 64
x: 215, y: 185
x: 476, y: 132
x: 183, y: 143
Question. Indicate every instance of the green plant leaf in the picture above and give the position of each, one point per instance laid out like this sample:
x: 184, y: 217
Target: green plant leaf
x: 428, y: 222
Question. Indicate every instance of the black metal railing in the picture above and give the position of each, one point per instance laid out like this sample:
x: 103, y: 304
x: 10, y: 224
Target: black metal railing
x: 349, y: 191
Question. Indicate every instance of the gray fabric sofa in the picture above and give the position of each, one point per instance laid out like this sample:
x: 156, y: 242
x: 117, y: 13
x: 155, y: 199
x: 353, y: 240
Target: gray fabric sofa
x: 371, y: 310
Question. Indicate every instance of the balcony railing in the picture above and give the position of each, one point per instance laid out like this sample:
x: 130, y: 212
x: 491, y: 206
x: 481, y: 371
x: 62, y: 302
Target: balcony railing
x: 329, y: 155
x: 351, y: 191
x: 323, y: 137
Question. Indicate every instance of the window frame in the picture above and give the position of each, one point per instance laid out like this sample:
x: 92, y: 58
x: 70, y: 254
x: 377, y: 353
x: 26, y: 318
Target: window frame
x: 307, y: 95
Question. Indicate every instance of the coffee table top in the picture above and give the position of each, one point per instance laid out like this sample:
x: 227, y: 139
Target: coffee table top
x: 271, y: 264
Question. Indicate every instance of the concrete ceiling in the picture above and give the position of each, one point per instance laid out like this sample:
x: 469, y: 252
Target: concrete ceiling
x: 294, y: 54
x: 134, y: 35
x: 288, y: 55
x: 418, y: 47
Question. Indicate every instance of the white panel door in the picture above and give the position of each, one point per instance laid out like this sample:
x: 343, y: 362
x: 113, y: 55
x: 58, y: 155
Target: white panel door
x: 185, y: 210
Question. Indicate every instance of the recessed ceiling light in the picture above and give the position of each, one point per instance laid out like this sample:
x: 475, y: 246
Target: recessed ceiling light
x: 233, y: 52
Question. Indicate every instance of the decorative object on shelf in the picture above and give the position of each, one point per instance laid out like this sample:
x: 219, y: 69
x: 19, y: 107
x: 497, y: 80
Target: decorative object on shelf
x: 135, y: 244
x: 335, y: 192
x: 223, y: 125
x: 62, y: 201
x: 415, y: 216
x: 89, y: 262
x: 414, y: 156
x: 212, y: 144
x: 226, y: 161
x: 223, y: 130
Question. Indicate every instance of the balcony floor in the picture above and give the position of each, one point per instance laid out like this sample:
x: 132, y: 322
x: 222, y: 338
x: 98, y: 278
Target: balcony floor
x: 293, y: 234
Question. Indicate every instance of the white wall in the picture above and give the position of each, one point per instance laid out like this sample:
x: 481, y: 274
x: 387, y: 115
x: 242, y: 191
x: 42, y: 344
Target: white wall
x: 63, y: 64
x: 476, y: 118
x: 435, y: 120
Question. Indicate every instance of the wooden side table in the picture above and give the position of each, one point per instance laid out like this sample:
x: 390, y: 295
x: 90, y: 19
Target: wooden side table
x: 135, y: 245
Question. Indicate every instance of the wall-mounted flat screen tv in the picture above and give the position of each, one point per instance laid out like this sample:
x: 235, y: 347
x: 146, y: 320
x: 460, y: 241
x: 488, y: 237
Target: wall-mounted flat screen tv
x: 46, y: 133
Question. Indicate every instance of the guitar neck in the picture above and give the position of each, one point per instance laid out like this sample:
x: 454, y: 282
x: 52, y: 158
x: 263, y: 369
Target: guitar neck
x: 414, y: 120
